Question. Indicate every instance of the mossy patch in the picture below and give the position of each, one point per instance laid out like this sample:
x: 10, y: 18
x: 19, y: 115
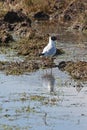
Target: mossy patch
x: 37, y: 98
x: 25, y: 109
x: 78, y: 70
x: 17, y: 68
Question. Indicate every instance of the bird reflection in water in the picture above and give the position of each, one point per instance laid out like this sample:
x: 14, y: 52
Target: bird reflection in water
x: 52, y: 98
x: 49, y: 81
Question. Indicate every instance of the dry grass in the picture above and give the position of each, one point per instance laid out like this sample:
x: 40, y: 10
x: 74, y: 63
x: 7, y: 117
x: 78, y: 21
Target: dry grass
x: 3, y: 10
x: 37, y: 5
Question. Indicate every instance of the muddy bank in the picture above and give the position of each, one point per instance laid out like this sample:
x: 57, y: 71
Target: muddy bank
x: 78, y: 70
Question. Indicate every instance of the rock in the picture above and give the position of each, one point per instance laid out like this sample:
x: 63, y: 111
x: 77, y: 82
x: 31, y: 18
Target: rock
x: 67, y: 17
x: 16, y: 16
x: 11, y: 17
x: 5, y: 38
x: 41, y: 16
x: 62, y: 65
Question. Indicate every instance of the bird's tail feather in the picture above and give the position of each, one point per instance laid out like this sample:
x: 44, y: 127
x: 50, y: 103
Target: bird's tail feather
x: 41, y: 54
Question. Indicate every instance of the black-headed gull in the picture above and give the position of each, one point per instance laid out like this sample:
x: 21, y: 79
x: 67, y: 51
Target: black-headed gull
x: 50, y: 49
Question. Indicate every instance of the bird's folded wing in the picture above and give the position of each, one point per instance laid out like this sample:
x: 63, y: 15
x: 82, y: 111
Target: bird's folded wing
x: 49, y: 50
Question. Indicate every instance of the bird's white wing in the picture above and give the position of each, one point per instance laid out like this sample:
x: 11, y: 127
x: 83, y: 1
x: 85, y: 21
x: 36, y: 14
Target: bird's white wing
x: 46, y: 49
x: 49, y: 50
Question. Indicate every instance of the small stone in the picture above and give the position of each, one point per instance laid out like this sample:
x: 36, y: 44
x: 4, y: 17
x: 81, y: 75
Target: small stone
x: 41, y: 16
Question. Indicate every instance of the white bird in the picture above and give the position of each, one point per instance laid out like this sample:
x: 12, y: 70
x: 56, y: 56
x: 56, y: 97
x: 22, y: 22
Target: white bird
x: 50, y: 49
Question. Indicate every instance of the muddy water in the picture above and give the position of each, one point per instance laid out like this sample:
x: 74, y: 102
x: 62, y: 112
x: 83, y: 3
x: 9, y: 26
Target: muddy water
x: 47, y: 99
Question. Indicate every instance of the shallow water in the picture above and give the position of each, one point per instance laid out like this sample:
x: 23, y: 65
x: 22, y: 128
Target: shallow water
x: 42, y: 100
x: 46, y: 99
x: 10, y: 55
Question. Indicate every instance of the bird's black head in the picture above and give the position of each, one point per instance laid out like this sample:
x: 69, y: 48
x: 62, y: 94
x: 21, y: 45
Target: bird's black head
x: 53, y: 38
